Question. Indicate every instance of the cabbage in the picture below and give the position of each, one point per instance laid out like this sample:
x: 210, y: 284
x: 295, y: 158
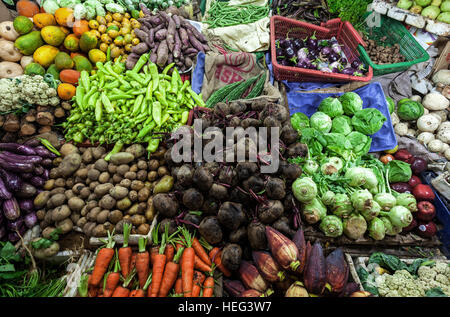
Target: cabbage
x: 445, y: 6
x: 444, y: 17
x: 399, y: 216
x: 385, y: 200
x: 368, y: 121
x: 351, y: 103
x: 321, y: 122
x: 410, y: 110
x: 377, y: 229
x: 342, y: 125
x: 431, y: 12
x: 304, y: 189
x: 299, y: 121
x: 313, y: 211
x: 342, y: 206
x: 399, y: 171
x: 355, y: 226
x: 407, y: 200
x: 331, y: 106
x: 361, y: 143
x: 331, y: 226
x: 337, y: 143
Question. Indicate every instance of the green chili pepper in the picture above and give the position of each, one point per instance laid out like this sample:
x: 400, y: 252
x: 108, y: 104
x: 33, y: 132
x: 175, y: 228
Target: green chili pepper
x: 84, y: 79
x: 153, y: 145
x: 154, y: 73
x: 196, y: 97
x: 175, y: 79
x: 161, y: 98
x: 140, y: 63
x: 147, y: 128
x: 149, y: 92
x: 111, y: 85
x: 78, y: 137
x: 117, y: 148
x: 167, y: 68
x: 86, y: 98
x: 184, y: 117
x: 120, y: 96
x: 79, y: 96
x: 137, y: 77
x: 106, y: 103
x: 137, y: 104
x: 108, y: 54
x: 98, y: 110
x: 49, y: 146
x: 156, y: 112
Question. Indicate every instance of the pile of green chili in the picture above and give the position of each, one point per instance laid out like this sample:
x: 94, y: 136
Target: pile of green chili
x: 115, y: 106
x: 222, y: 14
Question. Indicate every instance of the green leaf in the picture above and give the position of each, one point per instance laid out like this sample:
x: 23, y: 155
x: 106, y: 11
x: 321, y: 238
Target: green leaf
x: 12, y: 275
x: 7, y: 268
x: 435, y: 292
x: 8, y: 253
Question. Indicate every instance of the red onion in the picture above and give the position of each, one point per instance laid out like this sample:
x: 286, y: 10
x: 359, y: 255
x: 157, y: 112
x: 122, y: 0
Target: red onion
x: 401, y: 187
x: 419, y: 165
x: 404, y: 155
x: 414, y: 180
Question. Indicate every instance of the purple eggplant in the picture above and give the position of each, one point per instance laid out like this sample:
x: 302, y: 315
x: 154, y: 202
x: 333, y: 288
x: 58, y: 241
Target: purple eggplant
x: 2, y: 232
x: 12, y: 157
x: 26, y: 175
x: 31, y: 220
x: 32, y: 142
x: 15, y: 225
x: 302, y: 54
x: 298, y: 44
x: 280, y: 53
x: 312, y: 43
x: 285, y: 62
x: 16, y: 167
x: 356, y: 64
x: 344, y: 61
x: 289, y: 52
x: 46, y: 174
x: 11, y: 180
x: 38, y: 170
x: 37, y: 181
x: 26, y: 191
x: 47, y: 162
x: 4, y: 192
x: 44, y: 152
x: 11, y: 209
x: 13, y: 237
x: 333, y: 58
x: 325, y: 51
x: 26, y: 205
x: 17, y: 148
x: 336, y: 48
x: 285, y: 43
x: 348, y: 71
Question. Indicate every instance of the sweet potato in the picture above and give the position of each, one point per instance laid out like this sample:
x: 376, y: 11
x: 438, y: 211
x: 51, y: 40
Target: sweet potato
x: 161, y: 34
x: 140, y: 49
x: 163, y: 54
x: 184, y: 37
x: 171, y: 30
x: 177, y: 47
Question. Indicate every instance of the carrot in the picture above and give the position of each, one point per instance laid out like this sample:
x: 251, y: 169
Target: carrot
x: 141, y: 292
x: 208, y: 287
x: 122, y: 290
x: 214, y: 255
x: 187, y: 264
x: 133, y: 261
x: 142, y: 262
x: 200, y: 251
x: 159, y: 264
x: 199, y: 278
x: 153, y: 252
x: 170, y: 275
x: 112, y: 280
x: 178, y: 245
x: 92, y: 290
x: 179, y: 286
x: 169, y: 252
x: 125, y: 251
x: 200, y: 265
x: 102, y: 261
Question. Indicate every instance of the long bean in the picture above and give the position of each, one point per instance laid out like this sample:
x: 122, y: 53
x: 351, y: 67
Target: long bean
x: 221, y: 14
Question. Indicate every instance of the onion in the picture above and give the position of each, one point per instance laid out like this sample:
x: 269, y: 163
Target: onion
x: 419, y: 165
x: 401, y: 187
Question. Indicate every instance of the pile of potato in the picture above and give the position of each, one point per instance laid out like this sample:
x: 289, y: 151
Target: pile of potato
x: 96, y: 195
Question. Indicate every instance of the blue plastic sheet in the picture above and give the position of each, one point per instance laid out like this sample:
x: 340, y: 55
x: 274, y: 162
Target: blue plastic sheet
x: 197, y: 74
x: 372, y: 96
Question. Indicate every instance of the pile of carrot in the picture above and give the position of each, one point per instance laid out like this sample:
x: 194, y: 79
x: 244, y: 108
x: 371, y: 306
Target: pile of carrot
x: 174, y: 266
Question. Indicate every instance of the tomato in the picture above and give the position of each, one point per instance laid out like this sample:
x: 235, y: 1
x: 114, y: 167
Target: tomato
x: 387, y: 158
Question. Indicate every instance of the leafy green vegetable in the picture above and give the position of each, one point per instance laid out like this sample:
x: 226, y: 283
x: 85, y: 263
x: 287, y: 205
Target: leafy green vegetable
x: 351, y: 103
x: 314, y: 139
x: 368, y: 121
x: 350, y: 10
x: 331, y: 106
x: 299, y: 121
x: 321, y: 121
x: 410, y: 110
x: 360, y: 143
x: 367, y: 280
x: 342, y: 124
x: 393, y: 263
x: 435, y: 292
x: 399, y: 171
x: 337, y: 143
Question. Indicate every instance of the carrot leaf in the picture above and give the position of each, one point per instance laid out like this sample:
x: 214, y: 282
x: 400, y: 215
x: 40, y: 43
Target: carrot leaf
x: 126, y: 233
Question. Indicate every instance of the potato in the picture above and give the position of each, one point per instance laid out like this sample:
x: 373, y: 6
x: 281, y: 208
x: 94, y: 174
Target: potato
x: 137, y: 220
x: 49, y: 184
x: 93, y: 185
x: 117, y: 178
x: 162, y: 170
x: 142, y: 165
x: 104, y: 178
x: 101, y: 165
x: 130, y: 175
x: 133, y: 210
x: 125, y: 183
x: 93, y: 174
x: 69, y: 165
x: 99, y: 231
x: 144, y: 194
x: 112, y: 169
x: 84, y: 193
x: 84, y: 211
x: 56, y: 191
x: 102, y: 216
x: 133, y: 195
x: 54, y: 173
x: 75, y: 217
x: 119, y: 227
x: 82, y: 173
x: 159, y: 152
x: 107, y: 202
x: 60, y: 213
x: 137, y: 185
x: 98, y: 152
x: 91, y: 197
x: 133, y: 168
x: 70, y: 182
x: 65, y: 225
x: 77, y: 188
x: 115, y: 216
x: 43, y: 224
x: 60, y: 182
x: 48, y: 216
x: 67, y: 149
x: 122, y: 158
x: 47, y: 232
x: 57, y: 161
x: 141, y: 175
x: 143, y: 229
x: 150, y: 211
x: 118, y: 192
x: 136, y: 150
x: 123, y: 169
x: 76, y: 204
x: 40, y: 214
x: 108, y: 226
x: 41, y: 199
x: 81, y: 222
x: 164, y: 185
x: 58, y: 199
x: 92, y: 215
x: 152, y: 176
x: 88, y: 181
x: 124, y: 204
x: 88, y: 228
x: 69, y: 194
x: 92, y: 204
x: 87, y: 156
x: 153, y: 165
x: 103, y: 189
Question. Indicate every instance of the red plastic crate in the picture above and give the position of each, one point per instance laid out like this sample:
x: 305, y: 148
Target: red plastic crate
x: 346, y: 35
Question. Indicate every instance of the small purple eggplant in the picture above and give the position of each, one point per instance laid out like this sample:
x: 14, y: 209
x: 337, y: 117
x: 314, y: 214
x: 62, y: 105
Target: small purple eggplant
x: 285, y: 43
x: 336, y: 48
x: 289, y: 52
x: 298, y: 44
x: 325, y: 51
x: 348, y: 71
x: 31, y: 220
x: 312, y: 43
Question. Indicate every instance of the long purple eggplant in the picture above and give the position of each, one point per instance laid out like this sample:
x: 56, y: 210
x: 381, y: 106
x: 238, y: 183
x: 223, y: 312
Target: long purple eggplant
x: 12, y: 157
x: 31, y: 220
x: 15, y: 225
x: 4, y: 192
x: 32, y: 142
x: 26, y: 205
x: 38, y: 170
x: 17, y: 148
x: 26, y: 176
x: 37, y: 181
x: 11, y: 180
x: 44, y: 152
x: 11, y: 209
x: 16, y: 167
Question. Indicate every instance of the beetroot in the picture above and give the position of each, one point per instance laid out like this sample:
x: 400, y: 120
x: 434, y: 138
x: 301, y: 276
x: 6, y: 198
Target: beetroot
x: 426, y: 229
x: 401, y: 187
x: 404, y: 155
x: 419, y: 165
x: 414, y: 180
x: 426, y: 211
x: 423, y: 192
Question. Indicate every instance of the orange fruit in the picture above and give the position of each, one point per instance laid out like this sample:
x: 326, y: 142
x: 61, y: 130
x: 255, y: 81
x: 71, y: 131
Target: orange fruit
x: 64, y: 17
x: 80, y: 26
x: 66, y: 91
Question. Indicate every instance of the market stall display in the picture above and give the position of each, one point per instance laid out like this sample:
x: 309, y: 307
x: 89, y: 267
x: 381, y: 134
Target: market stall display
x: 151, y: 149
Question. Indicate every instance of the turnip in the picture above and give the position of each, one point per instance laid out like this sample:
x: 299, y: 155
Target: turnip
x: 435, y: 146
x: 435, y: 101
x: 401, y: 128
x: 428, y: 123
x: 425, y: 137
x: 444, y: 135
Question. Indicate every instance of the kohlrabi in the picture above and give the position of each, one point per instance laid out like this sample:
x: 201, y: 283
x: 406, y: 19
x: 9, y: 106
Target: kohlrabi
x: 371, y: 213
x: 377, y: 229
x: 304, y: 189
x: 310, y: 167
x: 329, y: 198
x: 355, y: 226
x: 391, y: 230
x: 407, y: 200
x: 342, y: 206
x: 385, y: 200
x: 399, y: 216
x: 314, y: 211
x: 362, y: 200
x: 331, y: 226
